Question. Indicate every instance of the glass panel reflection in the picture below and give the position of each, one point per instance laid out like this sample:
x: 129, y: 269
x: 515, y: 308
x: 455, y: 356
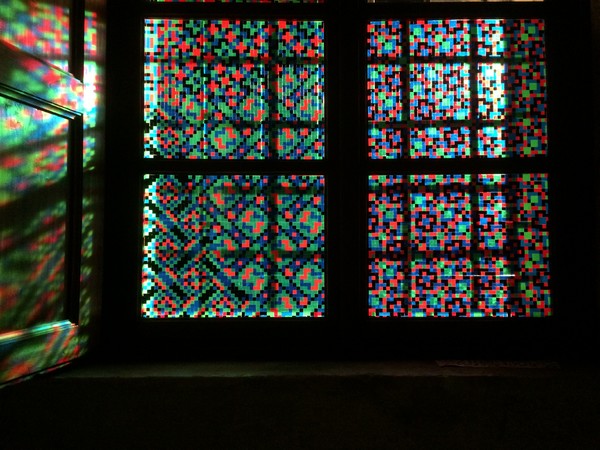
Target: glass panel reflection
x: 33, y: 199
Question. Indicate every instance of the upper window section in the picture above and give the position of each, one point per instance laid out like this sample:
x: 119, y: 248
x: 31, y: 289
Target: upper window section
x: 234, y: 89
x: 456, y: 88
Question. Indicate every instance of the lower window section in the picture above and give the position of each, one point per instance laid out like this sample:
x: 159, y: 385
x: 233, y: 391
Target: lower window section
x: 233, y: 246
x: 459, y: 246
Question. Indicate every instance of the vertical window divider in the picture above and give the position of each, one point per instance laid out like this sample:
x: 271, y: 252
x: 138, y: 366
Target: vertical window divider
x: 473, y: 153
x: 406, y: 144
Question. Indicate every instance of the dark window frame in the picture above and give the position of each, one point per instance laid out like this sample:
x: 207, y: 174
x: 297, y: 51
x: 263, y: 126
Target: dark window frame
x: 346, y: 330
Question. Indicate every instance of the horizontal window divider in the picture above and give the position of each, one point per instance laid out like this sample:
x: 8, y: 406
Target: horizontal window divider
x: 459, y: 10
x: 466, y: 324
x: 475, y: 59
x: 236, y: 11
x: 257, y: 61
x: 421, y: 124
x: 293, y: 167
x: 181, y: 324
x: 457, y: 166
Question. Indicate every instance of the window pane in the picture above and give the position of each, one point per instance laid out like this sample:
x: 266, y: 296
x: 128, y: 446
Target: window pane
x: 41, y: 28
x: 459, y: 246
x: 230, y: 89
x: 233, y: 246
x: 33, y: 198
x: 439, y: 92
x: 424, y: 101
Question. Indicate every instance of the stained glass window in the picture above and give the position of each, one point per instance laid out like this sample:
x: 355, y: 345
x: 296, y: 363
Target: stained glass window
x: 456, y: 89
x: 450, y: 1
x: 453, y: 244
x: 459, y: 245
x: 233, y: 246
x: 234, y: 89
x: 245, y: 245
x: 469, y: 245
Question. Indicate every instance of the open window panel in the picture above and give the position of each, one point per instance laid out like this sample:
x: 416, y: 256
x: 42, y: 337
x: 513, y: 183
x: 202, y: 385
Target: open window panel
x: 34, y: 221
x: 459, y: 93
x: 41, y: 124
x: 235, y: 243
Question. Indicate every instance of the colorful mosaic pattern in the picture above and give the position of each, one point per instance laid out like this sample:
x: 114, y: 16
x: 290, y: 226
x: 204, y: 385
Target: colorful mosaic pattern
x: 491, y: 91
x: 233, y: 246
x: 231, y: 89
x: 439, y: 38
x: 439, y: 91
x: 384, y: 39
x: 384, y: 83
x: 385, y: 143
x: 511, y: 38
x: 424, y: 71
x: 443, y: 142
x: 459, y: 246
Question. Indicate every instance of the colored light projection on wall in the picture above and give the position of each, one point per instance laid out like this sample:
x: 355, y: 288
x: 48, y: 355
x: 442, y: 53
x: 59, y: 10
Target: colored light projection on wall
x: 38, y: 27
x: 93, y: 88
x: 231, y: 89
x: 233, y: 246
x: 93, y: 105
x: 459, y: 246
x: 33, y: 194
x: 423, y: 103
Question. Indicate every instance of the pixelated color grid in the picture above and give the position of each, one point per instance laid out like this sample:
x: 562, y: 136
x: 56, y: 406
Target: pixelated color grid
x: 233, y: 246
x: 459, y: 246
x: 233, y: 89
x: 419, y: 85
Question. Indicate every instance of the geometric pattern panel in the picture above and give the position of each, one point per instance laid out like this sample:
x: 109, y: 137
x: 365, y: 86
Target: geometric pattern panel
x: 230, y: 89
x: 459, y: 246
x: 233, y: 246
x: 486, y: 76
x: 449, y: 38
x: 384, y: 83
x: 442, y: 142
